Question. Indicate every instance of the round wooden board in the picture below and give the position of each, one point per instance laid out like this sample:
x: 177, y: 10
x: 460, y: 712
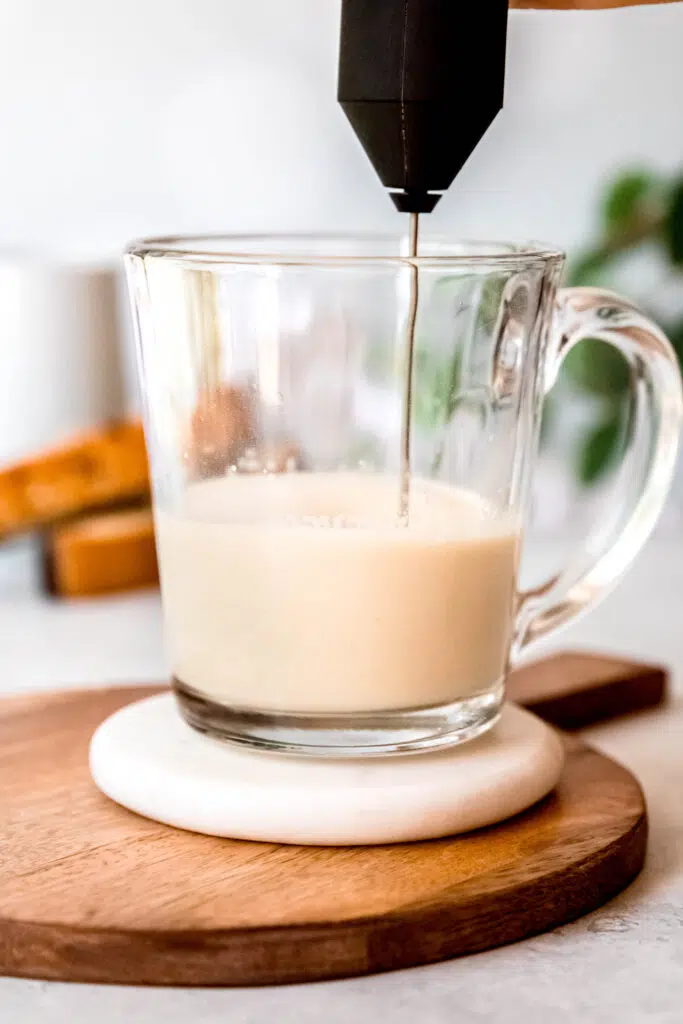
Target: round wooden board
x: 91, y: 892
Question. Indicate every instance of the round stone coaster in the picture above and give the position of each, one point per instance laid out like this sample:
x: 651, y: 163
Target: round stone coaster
x: 146, y: 758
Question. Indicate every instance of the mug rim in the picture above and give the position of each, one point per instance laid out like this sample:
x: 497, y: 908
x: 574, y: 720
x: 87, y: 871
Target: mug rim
x: 289, y: 249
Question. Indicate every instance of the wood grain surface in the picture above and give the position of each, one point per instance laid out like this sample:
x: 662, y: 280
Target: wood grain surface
x: 575, y: 688
x: 91, y: 892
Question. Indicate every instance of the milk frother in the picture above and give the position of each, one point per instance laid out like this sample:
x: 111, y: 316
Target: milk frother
x: 420, y: 82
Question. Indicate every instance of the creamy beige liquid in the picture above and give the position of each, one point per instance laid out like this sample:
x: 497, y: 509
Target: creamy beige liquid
x: 299, y: 592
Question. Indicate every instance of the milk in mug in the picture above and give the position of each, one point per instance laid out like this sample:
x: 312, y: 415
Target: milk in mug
x: 302, y: 592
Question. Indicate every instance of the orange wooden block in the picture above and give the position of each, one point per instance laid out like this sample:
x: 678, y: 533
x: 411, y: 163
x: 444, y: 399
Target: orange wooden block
x: 105, y: 553
x: 105, y: 467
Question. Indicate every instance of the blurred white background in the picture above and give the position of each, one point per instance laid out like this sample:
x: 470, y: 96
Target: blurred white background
x: 145, y: 116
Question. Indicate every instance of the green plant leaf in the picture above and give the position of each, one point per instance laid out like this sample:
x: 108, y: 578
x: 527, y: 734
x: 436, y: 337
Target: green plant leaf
x: 379, y: 361
x: 625, y: 198
x: 436, y: 383
x: 600, y: 448
x: 548, y: 418
x: 673, y: 224
x: 590, y: 267
x: 598, y: 368
x: 490, y: 300
x: 675, y: 335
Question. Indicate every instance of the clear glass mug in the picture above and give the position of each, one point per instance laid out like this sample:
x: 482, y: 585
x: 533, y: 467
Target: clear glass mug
x: 318, y: 598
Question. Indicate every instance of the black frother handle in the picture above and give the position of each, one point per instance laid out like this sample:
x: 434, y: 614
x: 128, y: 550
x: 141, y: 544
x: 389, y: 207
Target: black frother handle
x: 421, y: 81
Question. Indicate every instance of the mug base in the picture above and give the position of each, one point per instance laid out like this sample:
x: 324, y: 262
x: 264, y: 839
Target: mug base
x: 361, y: 734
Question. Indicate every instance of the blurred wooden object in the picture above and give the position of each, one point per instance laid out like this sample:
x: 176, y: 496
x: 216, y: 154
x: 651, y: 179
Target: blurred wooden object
x: 100, y: 554
x: 576, y: 689
x: 221, y: 428
x: 223, y: 434
x: 99, y: 469
x: 581, y: 5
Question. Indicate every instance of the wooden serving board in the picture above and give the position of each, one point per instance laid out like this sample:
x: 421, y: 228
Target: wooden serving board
x: 91, y: 892
x: 574, y: 689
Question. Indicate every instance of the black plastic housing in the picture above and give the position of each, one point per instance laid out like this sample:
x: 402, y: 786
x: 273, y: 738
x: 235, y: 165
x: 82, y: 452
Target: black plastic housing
x: 421, y: 81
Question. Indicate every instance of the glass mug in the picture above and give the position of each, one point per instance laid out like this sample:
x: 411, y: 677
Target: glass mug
x: 321, y: 595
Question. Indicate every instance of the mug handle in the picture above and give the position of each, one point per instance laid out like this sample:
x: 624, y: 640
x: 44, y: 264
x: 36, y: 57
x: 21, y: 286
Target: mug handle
x: 648, y: 463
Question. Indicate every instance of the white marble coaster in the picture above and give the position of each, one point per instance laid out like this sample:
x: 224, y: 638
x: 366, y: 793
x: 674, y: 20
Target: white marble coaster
x: 147, y: 759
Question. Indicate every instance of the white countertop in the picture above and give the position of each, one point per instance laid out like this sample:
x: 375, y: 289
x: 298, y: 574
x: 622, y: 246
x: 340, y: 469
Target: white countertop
x: 623, y: 963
